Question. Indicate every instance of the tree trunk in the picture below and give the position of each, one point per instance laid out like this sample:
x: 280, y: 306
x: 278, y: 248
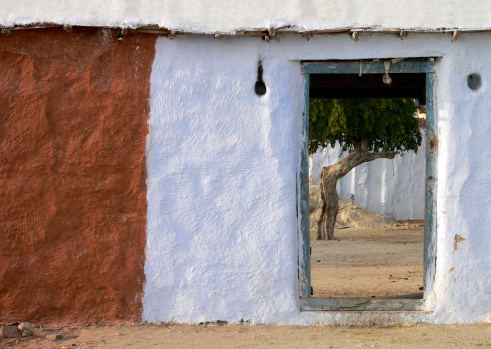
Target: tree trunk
x: 330, y: 206
x: 329, y: 179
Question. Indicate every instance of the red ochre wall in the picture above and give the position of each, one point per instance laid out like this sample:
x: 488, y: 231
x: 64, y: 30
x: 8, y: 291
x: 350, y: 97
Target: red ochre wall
x: 73, y: 124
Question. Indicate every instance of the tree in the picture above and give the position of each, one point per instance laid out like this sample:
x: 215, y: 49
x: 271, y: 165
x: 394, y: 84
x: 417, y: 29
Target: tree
x: 368, y: 129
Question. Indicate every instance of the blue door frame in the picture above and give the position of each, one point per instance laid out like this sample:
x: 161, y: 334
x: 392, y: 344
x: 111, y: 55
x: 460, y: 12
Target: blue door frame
x: 368, y: 303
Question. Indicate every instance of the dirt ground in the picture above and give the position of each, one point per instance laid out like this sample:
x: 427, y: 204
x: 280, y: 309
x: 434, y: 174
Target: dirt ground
x: 257, y: 336
x: 370, y: 262
x: 372, y: 256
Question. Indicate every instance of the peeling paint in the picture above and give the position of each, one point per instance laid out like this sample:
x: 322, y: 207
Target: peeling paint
x: 458, y: 239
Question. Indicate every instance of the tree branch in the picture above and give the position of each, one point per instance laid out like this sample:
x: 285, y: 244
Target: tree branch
x: 353, y: 159
x: 382, y: 154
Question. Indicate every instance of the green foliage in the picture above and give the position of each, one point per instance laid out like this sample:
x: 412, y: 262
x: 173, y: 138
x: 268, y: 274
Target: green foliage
x: 385, y: 124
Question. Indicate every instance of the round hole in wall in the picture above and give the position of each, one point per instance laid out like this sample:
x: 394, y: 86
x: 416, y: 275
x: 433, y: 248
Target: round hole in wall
x: 260, y: 88
x: 474, y: 81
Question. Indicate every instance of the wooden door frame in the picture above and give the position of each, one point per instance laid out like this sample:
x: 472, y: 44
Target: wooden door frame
x: 304, y: 276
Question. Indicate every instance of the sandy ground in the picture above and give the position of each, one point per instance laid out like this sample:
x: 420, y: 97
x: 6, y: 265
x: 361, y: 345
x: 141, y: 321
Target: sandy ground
x: 373, y: 262
x: 373, y: 256
x: 259, y: 336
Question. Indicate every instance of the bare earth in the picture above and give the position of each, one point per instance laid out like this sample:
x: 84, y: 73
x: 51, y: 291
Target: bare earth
x: 369, y: 262
x: 258, y: 336
x: 373, y: 256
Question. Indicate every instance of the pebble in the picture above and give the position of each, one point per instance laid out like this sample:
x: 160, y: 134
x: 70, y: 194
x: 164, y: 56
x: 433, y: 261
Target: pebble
x: 54, y: 336
x: 26, y: 329
x: 9, y: 332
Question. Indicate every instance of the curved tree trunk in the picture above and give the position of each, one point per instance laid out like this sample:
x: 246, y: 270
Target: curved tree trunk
x: 330, y: 206
x: 329, y: 179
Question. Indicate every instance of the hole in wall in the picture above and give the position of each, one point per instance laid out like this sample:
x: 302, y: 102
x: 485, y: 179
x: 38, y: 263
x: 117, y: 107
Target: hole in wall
x: 260, y: 86
x: 474, y: 81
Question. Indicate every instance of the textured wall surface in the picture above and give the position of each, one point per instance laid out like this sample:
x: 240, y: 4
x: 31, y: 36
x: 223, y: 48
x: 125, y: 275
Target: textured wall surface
x: 226, y: 161
x: 221, y: 175
x: 394, y: 188
x: 73, y: 122
x: 222, y: 236
x: 462, y: 290
x: 228, y: 16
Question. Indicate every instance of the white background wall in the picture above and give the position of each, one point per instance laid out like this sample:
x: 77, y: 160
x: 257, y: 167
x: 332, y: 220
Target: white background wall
x: 222, y: 236
x: 227, y: 16
x: 394, y: 188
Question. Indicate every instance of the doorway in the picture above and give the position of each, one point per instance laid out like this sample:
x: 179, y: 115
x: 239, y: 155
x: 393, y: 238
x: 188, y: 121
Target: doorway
x: 412, y: 78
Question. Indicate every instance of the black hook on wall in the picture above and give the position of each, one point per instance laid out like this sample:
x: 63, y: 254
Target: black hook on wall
x: 260, y: 86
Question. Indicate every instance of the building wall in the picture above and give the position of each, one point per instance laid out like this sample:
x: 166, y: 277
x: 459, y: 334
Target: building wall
x: 394, y: 188
x: 73, y: 122
x: 222, y: 234
x: 193, y: 216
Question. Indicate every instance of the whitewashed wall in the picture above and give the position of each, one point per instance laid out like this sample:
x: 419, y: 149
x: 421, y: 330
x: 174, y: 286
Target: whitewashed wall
x: 222, y: 239
x: 394, y: 188
x: 228, y: 16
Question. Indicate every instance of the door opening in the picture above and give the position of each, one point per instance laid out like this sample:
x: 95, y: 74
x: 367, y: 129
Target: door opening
x: 379, y: 267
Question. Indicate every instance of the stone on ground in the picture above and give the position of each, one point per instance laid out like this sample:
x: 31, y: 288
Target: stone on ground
x: 26, y: 329
x: 9, y: 332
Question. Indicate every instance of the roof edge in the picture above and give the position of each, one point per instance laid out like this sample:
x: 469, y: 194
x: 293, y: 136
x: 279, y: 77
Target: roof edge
x: 269, y: 33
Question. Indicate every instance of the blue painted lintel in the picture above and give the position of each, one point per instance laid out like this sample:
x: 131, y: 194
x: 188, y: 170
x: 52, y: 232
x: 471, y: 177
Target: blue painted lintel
x: 367, y: 67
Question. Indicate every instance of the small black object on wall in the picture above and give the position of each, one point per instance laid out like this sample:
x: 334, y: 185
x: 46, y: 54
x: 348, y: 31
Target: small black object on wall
x: 474, y: 81
x: 260, y: 87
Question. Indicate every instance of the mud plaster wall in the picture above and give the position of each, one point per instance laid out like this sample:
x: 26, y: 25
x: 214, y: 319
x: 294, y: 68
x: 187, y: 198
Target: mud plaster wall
x: 222, y: 239
x: 394, y: 188
x: 73, y: 122
x: 228, y: 16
